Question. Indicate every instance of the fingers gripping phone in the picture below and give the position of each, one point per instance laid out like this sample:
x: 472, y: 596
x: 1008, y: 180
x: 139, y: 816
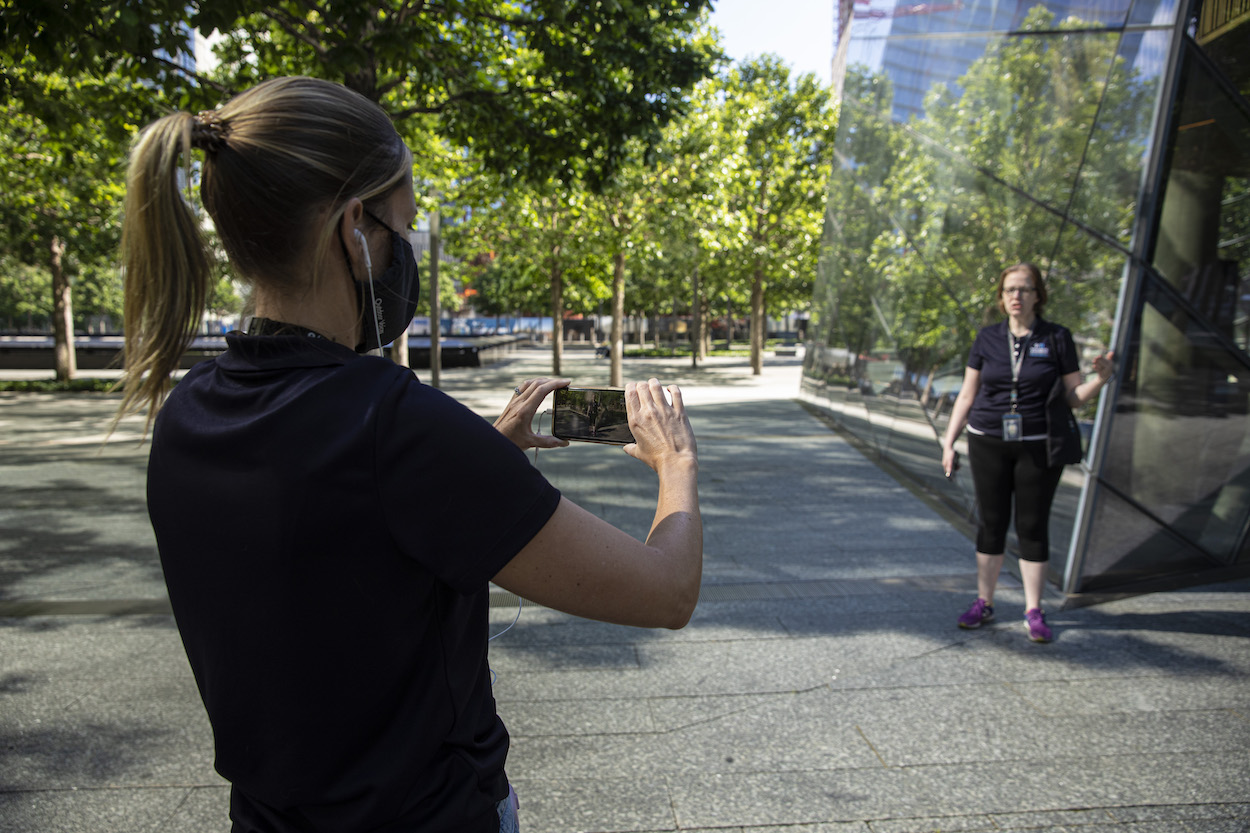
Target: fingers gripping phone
x: 591, y: 415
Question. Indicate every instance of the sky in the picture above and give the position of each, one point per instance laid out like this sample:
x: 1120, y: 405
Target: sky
x: 800, y: 31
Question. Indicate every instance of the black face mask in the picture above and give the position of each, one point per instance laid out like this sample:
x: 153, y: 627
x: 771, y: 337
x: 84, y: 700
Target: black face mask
x: 389, y: 301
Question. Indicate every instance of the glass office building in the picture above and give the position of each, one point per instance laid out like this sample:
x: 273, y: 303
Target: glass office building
x: 1107, y: 141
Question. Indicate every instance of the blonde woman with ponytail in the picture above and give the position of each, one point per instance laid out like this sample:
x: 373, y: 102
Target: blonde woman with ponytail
x: 318, y: 509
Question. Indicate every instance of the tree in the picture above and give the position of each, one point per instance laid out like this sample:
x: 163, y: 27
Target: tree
x: 534, y: 238
x: 844, y: 303
x: 622, y: 210
x: 120, y: 38
x: 539, y: 91
x: 691, y: 209
x: 503, y: 287
x: 535, y: 88
x: 25, y: 296
x: 782, y: 137
x: 61, y: 179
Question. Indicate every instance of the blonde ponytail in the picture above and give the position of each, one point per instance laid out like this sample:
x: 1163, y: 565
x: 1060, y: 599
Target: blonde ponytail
x: 280, y: 162
x: 166, y: 263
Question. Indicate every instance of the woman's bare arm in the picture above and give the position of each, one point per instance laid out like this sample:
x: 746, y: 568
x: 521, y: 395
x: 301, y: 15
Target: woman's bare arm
x: 959, y: 417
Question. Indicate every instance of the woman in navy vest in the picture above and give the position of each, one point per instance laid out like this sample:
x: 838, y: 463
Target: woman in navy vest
x: 1011, y: 369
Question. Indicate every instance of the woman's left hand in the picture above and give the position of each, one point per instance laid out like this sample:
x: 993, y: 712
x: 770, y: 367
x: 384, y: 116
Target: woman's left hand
x: 517, y: 420
x: 1104, y: 366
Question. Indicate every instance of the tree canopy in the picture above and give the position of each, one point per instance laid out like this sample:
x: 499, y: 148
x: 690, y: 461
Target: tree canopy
x: 578, y: 152
x: 537, y: 89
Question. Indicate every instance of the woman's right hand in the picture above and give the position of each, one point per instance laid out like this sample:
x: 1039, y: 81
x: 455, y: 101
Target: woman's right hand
x: 662, y: 432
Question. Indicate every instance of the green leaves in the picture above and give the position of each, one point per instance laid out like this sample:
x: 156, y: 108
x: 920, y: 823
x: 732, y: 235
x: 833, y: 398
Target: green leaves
x: 549, y: 88
x: 537, y: 90
x: 778, y: 132
x: 60, y: 169
x: 574, y: 130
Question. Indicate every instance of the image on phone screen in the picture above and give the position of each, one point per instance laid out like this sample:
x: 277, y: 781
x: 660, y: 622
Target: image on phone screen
x: 591, y: 415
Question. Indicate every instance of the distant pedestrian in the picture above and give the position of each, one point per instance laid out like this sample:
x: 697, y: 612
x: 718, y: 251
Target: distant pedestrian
x: 1011, y: 370
x: 328, y: 526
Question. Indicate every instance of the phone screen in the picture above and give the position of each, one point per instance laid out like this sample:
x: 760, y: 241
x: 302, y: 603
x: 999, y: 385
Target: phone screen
x: 592, y: 415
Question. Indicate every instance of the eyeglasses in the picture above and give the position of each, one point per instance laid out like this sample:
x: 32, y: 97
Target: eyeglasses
x: 1018, y: 290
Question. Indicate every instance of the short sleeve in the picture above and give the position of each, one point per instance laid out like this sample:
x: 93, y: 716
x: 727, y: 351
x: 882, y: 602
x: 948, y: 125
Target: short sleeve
x: 1068, y: 361
x: 976, y: 356
x: 458, y: 497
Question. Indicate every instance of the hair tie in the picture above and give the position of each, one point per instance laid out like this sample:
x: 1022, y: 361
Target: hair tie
x: 207, y: 132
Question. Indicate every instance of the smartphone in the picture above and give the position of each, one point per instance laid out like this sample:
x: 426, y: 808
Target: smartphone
x: 591, y: 415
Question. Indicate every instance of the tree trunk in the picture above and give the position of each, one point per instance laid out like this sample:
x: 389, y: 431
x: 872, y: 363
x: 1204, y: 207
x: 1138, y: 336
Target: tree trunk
x: 674, y: 326
x: 928, y: 386
x: 399, y: 350
x: 557, y: 317
x: 436, y: 308
x: 696, y: 321
x: 62, y: 314
x: 618, y: 315
x: 557, y: 302
x: 758, y: 325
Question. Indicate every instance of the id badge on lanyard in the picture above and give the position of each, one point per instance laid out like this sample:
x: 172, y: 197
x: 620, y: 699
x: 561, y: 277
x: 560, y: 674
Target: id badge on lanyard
x: 1013, y: 423
x: 1013, y: 427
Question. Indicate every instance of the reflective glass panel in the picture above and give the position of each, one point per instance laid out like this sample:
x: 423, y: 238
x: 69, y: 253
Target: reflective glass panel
x: 936, y: 52
x: 1023, y: 108
x: 1204, y: 226
x: 978, y: 134
x: 1084, y: 284
x: 1153, y: 12
x: 1179, y: 445
x: 1116, y: 149
x: 1126, y: 547
x: 878, y: 18
x: 1231, y: 310
x: 862, y: 147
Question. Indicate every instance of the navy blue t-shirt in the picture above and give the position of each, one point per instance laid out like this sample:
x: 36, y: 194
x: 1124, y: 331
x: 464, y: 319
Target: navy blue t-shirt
x: 1049, y: 354
x: 328, y: 527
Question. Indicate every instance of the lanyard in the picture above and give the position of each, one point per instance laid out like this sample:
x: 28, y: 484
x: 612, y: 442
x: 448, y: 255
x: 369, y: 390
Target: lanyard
x: 1017, y: 361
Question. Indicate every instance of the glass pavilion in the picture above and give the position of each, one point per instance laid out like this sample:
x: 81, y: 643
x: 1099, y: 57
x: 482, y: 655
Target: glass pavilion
x: 1107, y: 141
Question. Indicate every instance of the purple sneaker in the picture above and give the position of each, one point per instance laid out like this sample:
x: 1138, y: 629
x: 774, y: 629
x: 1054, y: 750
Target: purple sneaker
x: 1035, y: 621
x: 977, y: 615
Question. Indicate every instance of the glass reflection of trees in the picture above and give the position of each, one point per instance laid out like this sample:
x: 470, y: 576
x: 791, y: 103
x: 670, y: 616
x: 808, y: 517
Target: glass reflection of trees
x: 1037, y: 156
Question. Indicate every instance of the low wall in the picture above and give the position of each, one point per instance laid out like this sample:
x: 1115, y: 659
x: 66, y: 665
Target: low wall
x: 105, y: 352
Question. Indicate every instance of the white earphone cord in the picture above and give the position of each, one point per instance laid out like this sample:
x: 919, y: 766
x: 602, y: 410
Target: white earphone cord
x: 373, y: 298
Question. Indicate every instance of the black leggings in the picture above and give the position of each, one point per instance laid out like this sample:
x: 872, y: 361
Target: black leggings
x: 1001, y: 469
